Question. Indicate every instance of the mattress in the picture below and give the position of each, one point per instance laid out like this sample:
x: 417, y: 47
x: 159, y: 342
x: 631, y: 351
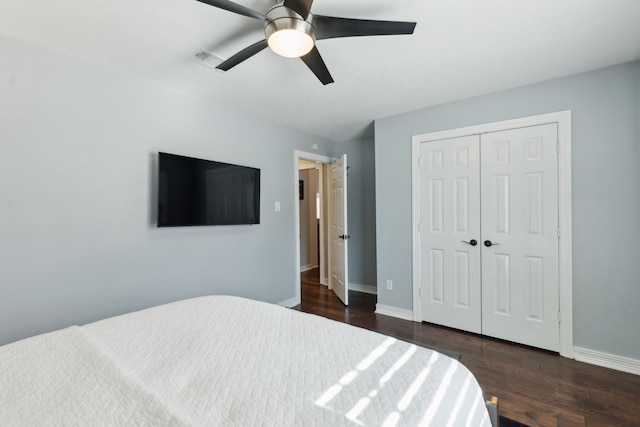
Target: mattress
x: 222, y: 360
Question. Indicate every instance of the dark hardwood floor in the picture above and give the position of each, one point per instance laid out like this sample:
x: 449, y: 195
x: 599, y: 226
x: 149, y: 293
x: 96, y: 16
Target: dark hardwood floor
x: 534, y: 386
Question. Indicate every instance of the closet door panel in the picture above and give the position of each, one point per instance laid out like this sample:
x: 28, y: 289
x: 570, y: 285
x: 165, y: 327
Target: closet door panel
x: 519, y: 224
x: 449, y: 216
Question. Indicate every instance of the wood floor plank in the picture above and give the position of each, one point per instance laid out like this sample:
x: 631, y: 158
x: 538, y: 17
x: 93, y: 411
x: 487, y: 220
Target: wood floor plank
x: 535, y: 387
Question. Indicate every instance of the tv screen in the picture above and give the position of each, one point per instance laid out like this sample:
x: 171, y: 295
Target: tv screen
x: 204, y: 192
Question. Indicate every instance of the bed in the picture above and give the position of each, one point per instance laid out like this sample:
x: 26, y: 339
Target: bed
x: 222, y: 360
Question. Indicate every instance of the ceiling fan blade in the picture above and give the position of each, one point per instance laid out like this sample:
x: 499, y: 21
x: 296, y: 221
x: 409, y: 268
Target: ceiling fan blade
x: 329, y: 27
x: 316, y: 64
x: 301, y: 7
x: 243, y: 55
x: 234, y: 7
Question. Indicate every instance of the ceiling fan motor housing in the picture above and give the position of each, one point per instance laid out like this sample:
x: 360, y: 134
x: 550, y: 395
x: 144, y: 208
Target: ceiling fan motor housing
x: 281, y: 18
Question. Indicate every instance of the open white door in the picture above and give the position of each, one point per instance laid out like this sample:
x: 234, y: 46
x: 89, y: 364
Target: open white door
x: 338, y: 279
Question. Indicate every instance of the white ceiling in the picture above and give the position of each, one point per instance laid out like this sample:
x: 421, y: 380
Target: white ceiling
x: 461, y: 48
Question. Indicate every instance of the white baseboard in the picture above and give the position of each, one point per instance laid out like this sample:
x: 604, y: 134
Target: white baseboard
x: 307, y: 267
x: 400, y: 313
x: 367, y: 289
x: 612, y: 361
x: 290, y: 302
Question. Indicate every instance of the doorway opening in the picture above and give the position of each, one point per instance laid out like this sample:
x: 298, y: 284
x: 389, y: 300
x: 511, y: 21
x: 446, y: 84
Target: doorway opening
x: 311, y: 219
x: 310, y: 206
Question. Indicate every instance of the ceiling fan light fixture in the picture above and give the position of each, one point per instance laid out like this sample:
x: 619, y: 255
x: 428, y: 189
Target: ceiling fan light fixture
x: 288, y: 34
x: 290, y: 43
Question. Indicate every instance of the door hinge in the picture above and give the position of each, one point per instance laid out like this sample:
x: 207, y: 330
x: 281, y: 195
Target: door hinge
x: 420, y: 292
x: 559, y: 317
x: 420, y: 161
x: 557, y: 146
x: 419, y: 227
x: 558, y: 231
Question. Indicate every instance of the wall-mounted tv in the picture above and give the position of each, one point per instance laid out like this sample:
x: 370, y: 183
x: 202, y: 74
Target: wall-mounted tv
x: 204, y: 192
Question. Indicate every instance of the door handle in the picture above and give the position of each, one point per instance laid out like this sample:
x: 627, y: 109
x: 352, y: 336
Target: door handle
x: 344, y: 236
x: 471, y: 242
x: 488, y: 243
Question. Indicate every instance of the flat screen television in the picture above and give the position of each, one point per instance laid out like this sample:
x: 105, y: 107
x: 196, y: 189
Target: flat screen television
x: 204, y: 192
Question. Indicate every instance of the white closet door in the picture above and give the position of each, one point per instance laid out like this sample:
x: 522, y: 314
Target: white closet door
x: 449, y: 216
x: 519, y: 235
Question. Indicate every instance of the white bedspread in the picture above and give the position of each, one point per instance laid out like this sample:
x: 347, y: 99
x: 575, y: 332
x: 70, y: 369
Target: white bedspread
x: 230, y: 361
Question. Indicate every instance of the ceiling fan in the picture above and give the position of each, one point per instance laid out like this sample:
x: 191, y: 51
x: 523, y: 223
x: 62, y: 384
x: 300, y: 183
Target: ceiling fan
x: 291, y: 30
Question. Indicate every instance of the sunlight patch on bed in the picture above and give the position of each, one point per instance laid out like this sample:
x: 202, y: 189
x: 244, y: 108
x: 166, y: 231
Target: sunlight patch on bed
x: 375, y: 354
x: 407, y: 391
x: 353, y: 414
x: 399, y: 364
x: 413, y: 390
x: 364, y: 402
x: 334, y: 390
x: 438, y: 398
x: 476, y: 407
x: 348, y: 377
x: 394, y: 417
x: 459, y: 401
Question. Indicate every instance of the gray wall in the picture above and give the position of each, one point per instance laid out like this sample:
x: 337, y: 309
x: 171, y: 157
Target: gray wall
x: 606, y: 194
x: 77, y: 234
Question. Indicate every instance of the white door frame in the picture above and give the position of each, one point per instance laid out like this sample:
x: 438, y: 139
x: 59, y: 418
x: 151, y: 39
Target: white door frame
x: 314, y: 157
x: 565, y: 259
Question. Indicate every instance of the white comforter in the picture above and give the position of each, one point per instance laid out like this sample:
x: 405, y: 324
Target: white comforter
x: 230, y: 361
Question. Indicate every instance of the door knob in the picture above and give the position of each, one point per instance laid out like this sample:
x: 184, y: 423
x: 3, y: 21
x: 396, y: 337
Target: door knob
x: 344, y: 236
x: 471, y: 242
x: 488, y: 243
